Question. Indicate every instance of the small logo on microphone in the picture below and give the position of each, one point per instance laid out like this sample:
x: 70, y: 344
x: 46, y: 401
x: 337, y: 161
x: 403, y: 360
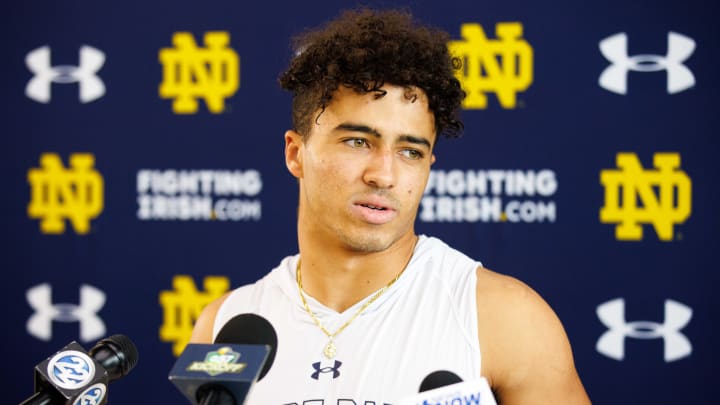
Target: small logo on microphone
x: 318, y: 370
x: 92, y: 396
x: 71, y: 369
x: 219, y: 362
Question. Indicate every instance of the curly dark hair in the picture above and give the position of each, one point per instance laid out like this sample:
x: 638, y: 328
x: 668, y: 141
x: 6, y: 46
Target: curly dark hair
x: 363, y: 50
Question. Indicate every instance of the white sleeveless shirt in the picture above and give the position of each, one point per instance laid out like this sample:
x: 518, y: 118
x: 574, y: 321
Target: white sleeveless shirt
x: 426, y: 321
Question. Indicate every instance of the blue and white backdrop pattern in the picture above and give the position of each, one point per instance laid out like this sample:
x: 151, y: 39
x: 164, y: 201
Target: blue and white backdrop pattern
x: 142, y: 160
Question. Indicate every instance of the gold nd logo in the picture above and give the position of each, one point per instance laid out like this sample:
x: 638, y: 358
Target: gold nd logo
x: 182, y: 307
x: 503, y: 66
x: 190, y: 72
x: 59, y: 193
x: 670, y: 205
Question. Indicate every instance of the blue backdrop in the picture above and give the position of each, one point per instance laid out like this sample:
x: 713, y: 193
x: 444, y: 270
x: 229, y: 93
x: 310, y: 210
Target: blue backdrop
x: 142, y: 152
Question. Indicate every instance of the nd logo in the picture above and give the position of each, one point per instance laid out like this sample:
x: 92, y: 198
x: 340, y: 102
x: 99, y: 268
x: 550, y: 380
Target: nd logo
x: 503, y: 66
x: 190, y: 72
x: 59, y: 193
x: 661, y: 197
x: 182, y: 307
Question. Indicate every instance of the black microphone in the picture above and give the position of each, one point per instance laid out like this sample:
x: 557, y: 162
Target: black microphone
x: 223, y: 372
x: 117, y: 354
x: 446, y: 387
x: 251, y: 329
x: 438, y: 379
x: 74, y: 376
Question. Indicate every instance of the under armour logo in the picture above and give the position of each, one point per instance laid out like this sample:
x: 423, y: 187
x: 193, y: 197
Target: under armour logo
x: 40, y: 323
x: 91, y: 86
x: 612, y: 314
x: 679, y: 49
x: 335, y: 370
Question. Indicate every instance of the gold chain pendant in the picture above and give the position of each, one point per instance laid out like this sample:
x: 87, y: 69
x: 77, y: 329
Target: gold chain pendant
x: 330, y: 350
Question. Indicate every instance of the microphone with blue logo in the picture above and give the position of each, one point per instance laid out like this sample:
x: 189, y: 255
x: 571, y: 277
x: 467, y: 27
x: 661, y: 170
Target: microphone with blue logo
x: 73, y: 376
x: 223, y: 373
x: 446, y: 387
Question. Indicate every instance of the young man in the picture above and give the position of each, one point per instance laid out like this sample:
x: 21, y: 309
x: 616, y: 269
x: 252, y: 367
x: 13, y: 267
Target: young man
x: 368, y: 308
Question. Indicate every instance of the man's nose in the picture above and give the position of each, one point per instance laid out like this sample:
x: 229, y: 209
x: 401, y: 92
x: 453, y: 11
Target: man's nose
x: 380, y: 171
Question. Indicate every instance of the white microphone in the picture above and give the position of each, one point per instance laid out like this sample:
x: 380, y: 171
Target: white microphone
x: 450, y: 391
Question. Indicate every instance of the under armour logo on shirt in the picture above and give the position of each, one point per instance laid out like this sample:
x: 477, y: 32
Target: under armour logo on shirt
x: 91, y: 86
x: 612, y: 342
x: 40, y: 323
x: 335, y: 370
x: 679, y: 49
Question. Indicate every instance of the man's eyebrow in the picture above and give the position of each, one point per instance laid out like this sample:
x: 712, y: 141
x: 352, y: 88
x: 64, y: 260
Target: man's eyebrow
x: 416, y: 139
x: 347, y: 126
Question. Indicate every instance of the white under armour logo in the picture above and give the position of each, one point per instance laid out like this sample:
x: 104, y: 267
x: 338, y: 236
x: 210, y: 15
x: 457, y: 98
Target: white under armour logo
x: 679, y: 49
x: 40, y: 323
x: 91, y: 86
x: 612, y: 342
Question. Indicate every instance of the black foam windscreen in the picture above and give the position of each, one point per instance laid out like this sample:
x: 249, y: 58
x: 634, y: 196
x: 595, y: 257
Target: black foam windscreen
x: 117, y: 354
x: 250, y: 329
x: 438, y: 379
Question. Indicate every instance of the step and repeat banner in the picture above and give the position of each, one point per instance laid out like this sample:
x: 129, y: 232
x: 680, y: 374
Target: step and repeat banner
x: 142, y: 157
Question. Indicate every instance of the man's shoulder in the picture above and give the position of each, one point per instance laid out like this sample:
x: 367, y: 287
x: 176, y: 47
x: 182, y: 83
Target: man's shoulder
x: 507, y: 307
x: 523, y: 343
x: 493, y: 286
x: 512, y: 306
x: 435, y: 248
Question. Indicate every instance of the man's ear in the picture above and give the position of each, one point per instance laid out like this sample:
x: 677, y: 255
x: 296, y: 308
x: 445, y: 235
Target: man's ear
x: 432, y: 159
x: 293, y: 155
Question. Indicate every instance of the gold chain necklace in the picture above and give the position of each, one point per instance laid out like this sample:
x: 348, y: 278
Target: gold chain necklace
x: 330, y: 350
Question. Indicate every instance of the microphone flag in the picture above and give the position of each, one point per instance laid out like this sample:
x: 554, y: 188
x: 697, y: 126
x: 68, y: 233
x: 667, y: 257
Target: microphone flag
x: 475, y: 392
x: 72, y: 376
x: 232, y: 367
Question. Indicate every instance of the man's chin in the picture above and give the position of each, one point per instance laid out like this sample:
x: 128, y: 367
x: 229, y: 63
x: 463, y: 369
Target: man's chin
x: 367, y: 244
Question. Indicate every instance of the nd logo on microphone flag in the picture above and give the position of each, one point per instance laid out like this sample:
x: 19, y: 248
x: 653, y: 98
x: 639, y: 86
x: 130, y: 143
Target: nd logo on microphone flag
x: 467, y: 393
x: 234, y: 367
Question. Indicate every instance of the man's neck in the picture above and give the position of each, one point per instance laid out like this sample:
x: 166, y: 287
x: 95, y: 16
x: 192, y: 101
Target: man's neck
x: 339, y: 278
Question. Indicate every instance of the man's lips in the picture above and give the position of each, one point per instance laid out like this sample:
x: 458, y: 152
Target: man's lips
x: 376, y: 211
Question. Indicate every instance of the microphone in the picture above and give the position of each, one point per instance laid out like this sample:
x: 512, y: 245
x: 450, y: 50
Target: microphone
x: 74, y: 376
x: 446, y: 387
x: 251, y: 329
x: 223, y: 372
x: 438, y: 379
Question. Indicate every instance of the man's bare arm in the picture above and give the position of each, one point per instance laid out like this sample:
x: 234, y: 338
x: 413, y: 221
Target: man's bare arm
x: 526, y: 355
x: 203, y: 330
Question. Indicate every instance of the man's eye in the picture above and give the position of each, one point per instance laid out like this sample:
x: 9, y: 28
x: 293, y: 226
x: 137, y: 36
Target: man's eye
x: 412, y: 154
x: 356, y: 142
